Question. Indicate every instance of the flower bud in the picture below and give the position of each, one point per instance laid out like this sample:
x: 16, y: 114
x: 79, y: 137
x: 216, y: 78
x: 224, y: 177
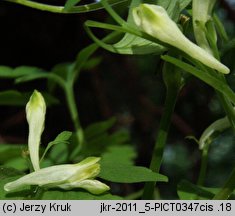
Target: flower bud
x: 155, y: 21
x: 67, y: 176
x: 35, y: 114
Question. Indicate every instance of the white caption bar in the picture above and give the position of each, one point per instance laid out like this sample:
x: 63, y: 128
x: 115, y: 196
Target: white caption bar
x: 117, y: 208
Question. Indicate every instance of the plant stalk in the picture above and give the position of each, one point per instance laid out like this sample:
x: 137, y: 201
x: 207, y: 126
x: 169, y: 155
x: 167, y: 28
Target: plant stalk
x: 203, y: 167
x: 79, y: 134
x: 60, y: 9
x: 157, y: 156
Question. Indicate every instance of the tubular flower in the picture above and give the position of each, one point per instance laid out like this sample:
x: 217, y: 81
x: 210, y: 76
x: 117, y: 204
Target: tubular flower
x: 155, y: 21
x: 66, y: 176
x: 35, y: 114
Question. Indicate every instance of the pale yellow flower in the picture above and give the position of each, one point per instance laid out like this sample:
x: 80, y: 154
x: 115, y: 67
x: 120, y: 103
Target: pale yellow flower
x: 155, y: 21
x: 67, y: 176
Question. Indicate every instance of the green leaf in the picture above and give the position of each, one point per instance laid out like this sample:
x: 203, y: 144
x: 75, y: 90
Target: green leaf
x: 174, y: 10
x: 11, y: 156
x: 59, y: 154
x: 133, y: 45
x: 13, y: 98
x: 10, y: 151
x: 8, y: 172
x: 16, y: 98
x: 122, y: 173
x: 117, y: 166
x: 82, y: 58
x: 62, y: 138
x: 7, y: 175
x: 184, y: 4
x: 18, y: 163
x: 20, y: 194
x: 220, y: 28
x: 76, y: 195
x: 99, y: 127
x: 172, y: 7
x: 70, y: 3
x: 42, y: 75
x: 121, y: 154
x: 32, y: 77
x: 7, y: 72
x: 208, y: 78
x: 119, y: 137
x: 96, y: 145
x: 98, y: 137
x: 167, y: 4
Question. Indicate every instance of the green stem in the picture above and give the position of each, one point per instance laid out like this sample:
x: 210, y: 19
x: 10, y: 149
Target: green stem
x: 60, y: 9
x: 156, y: 161
x: 79, y: 134
x: 228, y: 108
x: 229, y: 186
x: 227, y: 189
x: 203, y: 168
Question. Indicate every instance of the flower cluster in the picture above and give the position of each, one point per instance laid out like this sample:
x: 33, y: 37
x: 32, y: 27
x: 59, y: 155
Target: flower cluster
x: 66, y: 176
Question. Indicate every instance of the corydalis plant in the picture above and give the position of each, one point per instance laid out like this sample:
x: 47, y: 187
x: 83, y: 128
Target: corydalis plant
x: 155, y: 21
x: 67, y: 176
